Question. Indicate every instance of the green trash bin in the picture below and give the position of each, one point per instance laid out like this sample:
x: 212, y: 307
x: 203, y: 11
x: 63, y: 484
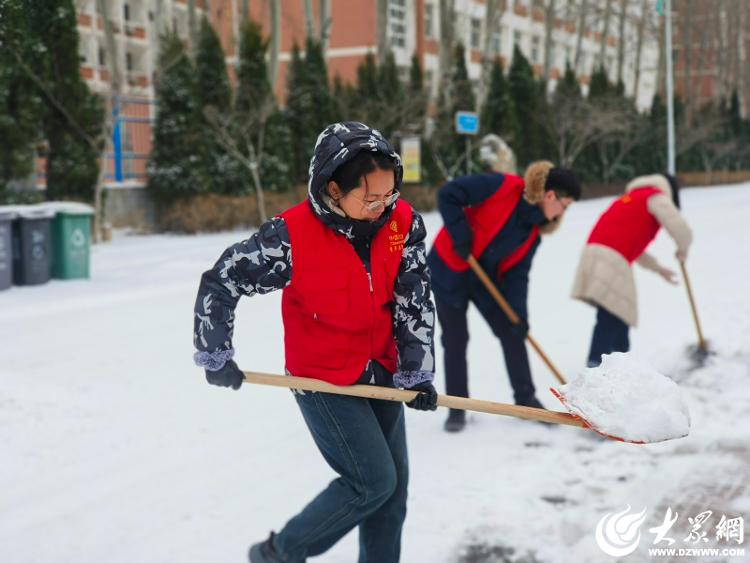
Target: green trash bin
x: 71, y: 239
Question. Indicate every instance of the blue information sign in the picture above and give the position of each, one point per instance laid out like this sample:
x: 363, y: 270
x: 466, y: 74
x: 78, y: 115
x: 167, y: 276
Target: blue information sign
x: 467, y: 123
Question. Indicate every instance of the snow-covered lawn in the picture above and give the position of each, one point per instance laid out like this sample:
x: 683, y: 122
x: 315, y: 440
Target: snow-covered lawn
x: 114, y: 448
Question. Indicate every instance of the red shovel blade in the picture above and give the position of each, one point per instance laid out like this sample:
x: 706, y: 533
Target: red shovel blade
x: 577, y: 414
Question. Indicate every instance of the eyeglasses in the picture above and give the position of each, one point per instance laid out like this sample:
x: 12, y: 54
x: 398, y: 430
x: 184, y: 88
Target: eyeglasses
x: 373, y: 206
x: 564, y: 205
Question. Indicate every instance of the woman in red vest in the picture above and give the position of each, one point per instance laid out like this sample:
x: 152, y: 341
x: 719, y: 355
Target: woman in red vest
x: 620, y: 237
x: 356, y: 309
x: 498, y: 219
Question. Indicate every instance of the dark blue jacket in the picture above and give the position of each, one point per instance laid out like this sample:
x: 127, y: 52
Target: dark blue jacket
x: 457, y: 288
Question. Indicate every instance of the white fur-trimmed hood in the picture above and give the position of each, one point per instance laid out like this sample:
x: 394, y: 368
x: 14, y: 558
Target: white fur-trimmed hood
x: 651, y: 181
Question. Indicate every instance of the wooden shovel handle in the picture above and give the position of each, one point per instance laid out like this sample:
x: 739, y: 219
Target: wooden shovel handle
x: 389, y: 394
x: 693, y: 308
x: 511, y: 314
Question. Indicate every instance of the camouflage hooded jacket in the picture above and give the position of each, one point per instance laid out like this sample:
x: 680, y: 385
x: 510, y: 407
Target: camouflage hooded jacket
x: 263, y: 263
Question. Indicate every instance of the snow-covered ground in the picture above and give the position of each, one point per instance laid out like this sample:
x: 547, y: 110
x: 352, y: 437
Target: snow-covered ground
x: 114, y: 448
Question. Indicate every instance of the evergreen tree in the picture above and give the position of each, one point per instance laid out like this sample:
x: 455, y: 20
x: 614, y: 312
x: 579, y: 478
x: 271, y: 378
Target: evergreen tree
x: 524, y: 93
x: 174, y: 170
x: 448, y: 147
x: 343, y: 101
x: 498, y: 114
x: 20, y: 101
x: 253, y: 87
x: 417, y: 98
x: 416, y: 77
x: 368, y: 98
x: 298, y: 107
x: 309, y: 106
x: 599, y: 87
x: 212, y: 83
x: 261, y: 123
x: 391, y: 111
x: 320, y: 96
x: 275, y: 168
x: 221, y: 173
x: 72, y: 168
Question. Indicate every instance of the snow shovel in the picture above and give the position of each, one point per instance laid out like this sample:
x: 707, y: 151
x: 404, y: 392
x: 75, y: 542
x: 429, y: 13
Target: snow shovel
x: 389, y: 394
x: 511, y: 314
x: 700, y: 352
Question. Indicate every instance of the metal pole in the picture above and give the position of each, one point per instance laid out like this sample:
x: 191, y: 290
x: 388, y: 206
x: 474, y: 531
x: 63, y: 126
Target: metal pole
x: 671, y: 168
x: 468, y: 155
x: 116, y: 139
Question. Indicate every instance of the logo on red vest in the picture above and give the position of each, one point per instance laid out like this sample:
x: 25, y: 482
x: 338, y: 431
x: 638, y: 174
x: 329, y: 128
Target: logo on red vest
x: 396, y: 240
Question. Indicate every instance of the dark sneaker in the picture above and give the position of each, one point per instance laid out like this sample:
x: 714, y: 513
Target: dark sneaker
x: 534, y: 402
x: 456, y: 421
x: 264, y: 552
x: 530, y: 402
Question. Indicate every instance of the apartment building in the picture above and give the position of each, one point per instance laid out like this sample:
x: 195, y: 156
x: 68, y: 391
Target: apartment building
x: 353, y: 28
x: 711, y: 42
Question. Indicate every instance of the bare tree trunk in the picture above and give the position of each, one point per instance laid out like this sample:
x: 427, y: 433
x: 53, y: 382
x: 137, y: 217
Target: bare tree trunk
x: 192, y: 27
x: 699, y: 65
x: 579, y: 34
x: 621, y: 40
x: 324, y: 10
x: 492, y: 17
x: 273, y: 55
x: 550, y: 14
x: 605, y: 31
x: 447, y: 32
x: 639, y: 48
x: 661, y: 63
x: 309, y: 20
x: 686, y: 27
x: 742, y: 56
x: 721, y: 48
x: 382, y: 16
x: 111, y: 96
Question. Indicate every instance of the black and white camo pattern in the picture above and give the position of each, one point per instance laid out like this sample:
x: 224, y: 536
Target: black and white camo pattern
x: 263, y: 263
x: 260, y: 264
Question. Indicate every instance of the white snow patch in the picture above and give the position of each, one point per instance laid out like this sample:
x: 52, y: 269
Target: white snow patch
x: 628, y: 398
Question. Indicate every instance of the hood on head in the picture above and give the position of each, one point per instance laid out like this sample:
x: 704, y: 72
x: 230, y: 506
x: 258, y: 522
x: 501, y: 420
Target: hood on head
x: 651, y: 181
x: 534, y: 180
x: 337, y: 144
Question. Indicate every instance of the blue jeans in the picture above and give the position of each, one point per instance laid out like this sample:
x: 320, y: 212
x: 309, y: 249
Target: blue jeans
x: 610, y: 335
x: 364, y: 441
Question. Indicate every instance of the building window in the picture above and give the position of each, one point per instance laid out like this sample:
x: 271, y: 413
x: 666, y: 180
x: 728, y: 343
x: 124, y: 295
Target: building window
x: 517, y: 39
x: 102, y: 57
x: 429, y: 21
x: 475, y: 37
x: 535, y: 49
x: 497, y: 42
x: 397, y: 22
x: 129, y: 61
x: 126, y: 12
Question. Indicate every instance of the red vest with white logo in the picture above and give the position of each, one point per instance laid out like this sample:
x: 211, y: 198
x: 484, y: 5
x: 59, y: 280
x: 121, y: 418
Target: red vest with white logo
x: 627, y: 226
x: 486, y: 220
x: 336, y: 316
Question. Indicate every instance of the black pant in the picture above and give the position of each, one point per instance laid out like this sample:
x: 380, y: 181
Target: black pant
x: 610, y: 335
x: 455, y: 339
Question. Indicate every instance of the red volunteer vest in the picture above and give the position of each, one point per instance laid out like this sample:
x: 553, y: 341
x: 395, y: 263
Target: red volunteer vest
x: 336, y: 317
x: 627, y: 226
x: 486, y: 220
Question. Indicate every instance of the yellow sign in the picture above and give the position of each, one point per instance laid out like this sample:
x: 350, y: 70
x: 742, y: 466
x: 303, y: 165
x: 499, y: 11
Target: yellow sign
x: 411, y: 155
